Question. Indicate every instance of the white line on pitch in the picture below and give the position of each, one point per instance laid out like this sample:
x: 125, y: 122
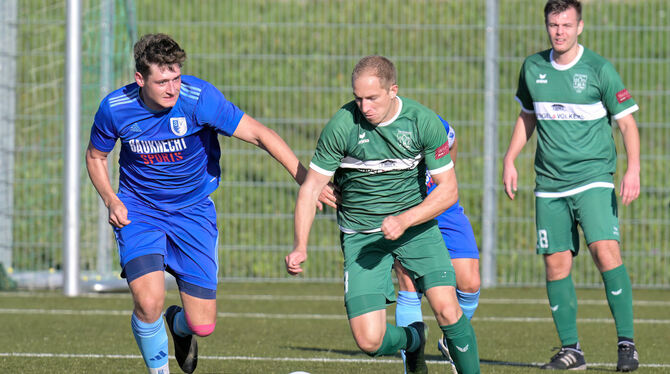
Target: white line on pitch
x: 288, y: 359
x: 309, y: 316
x: 263, y: 297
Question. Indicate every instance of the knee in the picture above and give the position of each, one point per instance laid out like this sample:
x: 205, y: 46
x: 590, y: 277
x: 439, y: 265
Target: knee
x: 203, y: 330
x: 369, y: 344
x: 149, y: 308
x: 449, y: 314
x: 472, y: 285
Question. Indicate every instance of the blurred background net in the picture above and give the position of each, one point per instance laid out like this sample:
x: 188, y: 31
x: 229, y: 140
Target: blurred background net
x: 288, y: 64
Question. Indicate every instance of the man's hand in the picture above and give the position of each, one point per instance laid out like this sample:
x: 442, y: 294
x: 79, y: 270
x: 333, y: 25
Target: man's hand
x: 118, y: 214
x: 393, y: 227
x: 330, y: 195
x: 293, y: 261
x: 630, y: 187
x: 510, y: 177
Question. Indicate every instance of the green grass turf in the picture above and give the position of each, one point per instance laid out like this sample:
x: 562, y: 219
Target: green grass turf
x: 285, y: 327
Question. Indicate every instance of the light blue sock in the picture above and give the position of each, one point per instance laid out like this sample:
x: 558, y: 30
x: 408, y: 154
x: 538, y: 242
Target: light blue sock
x: 408, y: 308
x: 468, y: 302
x: 180, y: 326
x: 152, y: 340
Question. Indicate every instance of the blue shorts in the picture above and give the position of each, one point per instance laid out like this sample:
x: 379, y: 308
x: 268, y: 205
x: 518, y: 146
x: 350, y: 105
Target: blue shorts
x: 186, y: 239
x: 457, y: 233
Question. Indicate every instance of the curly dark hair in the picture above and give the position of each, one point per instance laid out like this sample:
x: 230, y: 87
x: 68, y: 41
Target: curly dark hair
x: 158, y: 49
x: 559, y: 6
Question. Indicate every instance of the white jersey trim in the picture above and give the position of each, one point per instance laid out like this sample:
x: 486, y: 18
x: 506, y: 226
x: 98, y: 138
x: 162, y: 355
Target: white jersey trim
x: 626, y: 112
x: 350, y: 231
x: 551, y: 111
x: 574, y: 191
x: 380, y: 166
x: 321, y: 170
x: 572, y: 63
x: 442, y: 169
x: 382, y: 124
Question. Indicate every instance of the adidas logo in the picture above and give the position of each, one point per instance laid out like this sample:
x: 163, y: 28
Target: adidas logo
x: 464, y: 349
x: 135, y: 128
x: 554, y: 308
x: 617, y: 292
x: 159, y: 356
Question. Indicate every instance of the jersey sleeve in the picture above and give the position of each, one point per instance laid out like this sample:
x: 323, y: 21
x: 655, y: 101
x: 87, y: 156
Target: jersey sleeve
x: 330, y: 148
x: 451, y: 133
x: 436, y: 144
x: 615, y: 96
x: 522, y: 93
x: 103, y: 133
x: 214, y: 110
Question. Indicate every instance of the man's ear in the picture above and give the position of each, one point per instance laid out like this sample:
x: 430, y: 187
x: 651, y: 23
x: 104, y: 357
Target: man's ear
x: 139, y: 79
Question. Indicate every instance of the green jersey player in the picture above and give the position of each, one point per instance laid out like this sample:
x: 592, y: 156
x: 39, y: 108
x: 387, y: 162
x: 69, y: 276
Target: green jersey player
x: 378, y: 148
x: 569, y: 94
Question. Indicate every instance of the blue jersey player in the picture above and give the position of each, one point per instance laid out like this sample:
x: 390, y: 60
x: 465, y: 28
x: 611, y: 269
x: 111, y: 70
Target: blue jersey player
x: 162, y: 215
x: 460, y: 240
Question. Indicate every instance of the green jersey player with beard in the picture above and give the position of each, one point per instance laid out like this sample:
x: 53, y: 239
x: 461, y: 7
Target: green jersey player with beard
x: 378, y: 147
x: 569, y: 94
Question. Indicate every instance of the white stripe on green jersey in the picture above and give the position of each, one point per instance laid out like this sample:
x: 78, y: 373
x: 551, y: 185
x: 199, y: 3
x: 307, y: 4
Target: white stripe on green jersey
x: 573, y: 105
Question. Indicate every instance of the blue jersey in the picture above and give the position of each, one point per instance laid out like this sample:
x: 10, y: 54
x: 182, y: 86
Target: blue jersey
x: 169, y: 159
x: 453, y: 223
x: 430, y: 185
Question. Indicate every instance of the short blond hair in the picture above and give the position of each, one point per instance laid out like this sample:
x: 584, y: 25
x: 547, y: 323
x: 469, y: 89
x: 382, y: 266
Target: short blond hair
x: 379, y: 66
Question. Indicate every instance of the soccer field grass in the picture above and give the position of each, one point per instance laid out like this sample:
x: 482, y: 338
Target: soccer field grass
x: 286, y: 327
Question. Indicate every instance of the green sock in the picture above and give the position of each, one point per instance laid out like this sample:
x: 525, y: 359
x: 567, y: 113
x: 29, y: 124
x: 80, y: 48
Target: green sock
x: 462, y: 344
x: 395, y: 338
x: 563, y: 304
x: 620, y: 298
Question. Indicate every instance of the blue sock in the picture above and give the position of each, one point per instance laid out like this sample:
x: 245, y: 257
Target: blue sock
x: 180, y: 326
x: 152, y: 340
x: 468, y: 302
x: 408, y: 308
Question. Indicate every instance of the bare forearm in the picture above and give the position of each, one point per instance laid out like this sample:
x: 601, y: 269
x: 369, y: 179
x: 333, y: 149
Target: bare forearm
x: 99, y: 175
x: 442, y: 197
x: 631, y: 140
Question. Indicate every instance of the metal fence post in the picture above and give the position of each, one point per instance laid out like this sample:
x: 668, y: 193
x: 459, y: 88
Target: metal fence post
x: 8, y: 36
x: 72, y: 149
x: 489, y: 209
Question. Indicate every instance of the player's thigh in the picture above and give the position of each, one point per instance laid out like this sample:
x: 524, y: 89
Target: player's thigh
x: 368, y: 329
x: 423, y: 254
x: 192, y: 253
x: 458, y: 235
x: 405, y: 282
x: 598, y: 215
x: 367, y: 273
x: 199, y: 311
x: 444, y: 303
x: 142, y: 244
x: 556, y: 225
x: 467, y: 274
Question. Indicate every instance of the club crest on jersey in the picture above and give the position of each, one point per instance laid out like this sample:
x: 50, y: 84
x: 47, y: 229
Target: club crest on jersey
x: 579, y: 82
x: 178, y: 126
x: 404, y: 138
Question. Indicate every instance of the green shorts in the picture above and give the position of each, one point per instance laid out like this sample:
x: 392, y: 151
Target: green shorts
x: 368, y: 259
x: 556, y: 219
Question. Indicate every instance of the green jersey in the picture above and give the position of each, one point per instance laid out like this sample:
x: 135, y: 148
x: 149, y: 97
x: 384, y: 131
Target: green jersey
x: 381, y: 170
x: 573, y: 104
